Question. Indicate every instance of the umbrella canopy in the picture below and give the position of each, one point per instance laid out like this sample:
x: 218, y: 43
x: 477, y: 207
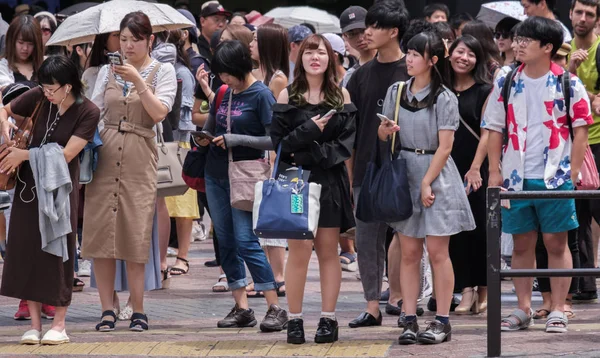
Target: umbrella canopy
x: 295, y: 15
x: 72, y: 10
x: 106, y: 18
x: 491, y: 13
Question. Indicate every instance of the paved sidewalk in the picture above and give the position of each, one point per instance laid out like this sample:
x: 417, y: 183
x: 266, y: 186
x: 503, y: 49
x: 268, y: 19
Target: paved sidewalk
x: 183, y: 323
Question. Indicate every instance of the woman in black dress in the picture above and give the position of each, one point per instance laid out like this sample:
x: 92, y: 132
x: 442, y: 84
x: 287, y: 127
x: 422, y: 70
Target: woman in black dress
x: 67, y: 118
x: 319, y: 144
x: 471, y: 84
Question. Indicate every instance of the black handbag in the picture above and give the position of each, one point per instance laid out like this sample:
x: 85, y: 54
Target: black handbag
x: 385, y: 194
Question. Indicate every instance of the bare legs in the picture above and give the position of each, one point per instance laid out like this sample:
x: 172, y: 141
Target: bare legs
x: 164, y: 231
x: 329, y: 269
x: 412, y: 251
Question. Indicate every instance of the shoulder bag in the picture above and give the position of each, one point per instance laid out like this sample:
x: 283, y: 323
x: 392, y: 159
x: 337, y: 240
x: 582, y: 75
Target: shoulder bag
x: 385, y: 194
x: 170, y: 165
x: 288, y: 209
x: 244, y: 174
x: 21, y: 139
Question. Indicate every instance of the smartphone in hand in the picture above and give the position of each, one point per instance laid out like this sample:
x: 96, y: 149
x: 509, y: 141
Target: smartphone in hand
x: 330, y: 113
x: 115, y: 58
x: 383, y: 117
x: 203, y: 135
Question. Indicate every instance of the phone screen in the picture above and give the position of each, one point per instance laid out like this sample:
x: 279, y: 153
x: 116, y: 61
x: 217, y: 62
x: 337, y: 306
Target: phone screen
x: 115, y: 58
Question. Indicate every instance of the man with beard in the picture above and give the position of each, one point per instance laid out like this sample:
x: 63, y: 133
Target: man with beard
x: 583, y: 61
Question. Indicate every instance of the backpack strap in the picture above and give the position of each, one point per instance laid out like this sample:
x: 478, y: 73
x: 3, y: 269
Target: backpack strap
x: 508, y: 81
x: 565, y: 79
x: 220, y: 96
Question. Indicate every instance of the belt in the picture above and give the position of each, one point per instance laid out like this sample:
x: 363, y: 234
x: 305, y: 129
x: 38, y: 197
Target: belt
x: 128, y: 127
x: 419, y: 151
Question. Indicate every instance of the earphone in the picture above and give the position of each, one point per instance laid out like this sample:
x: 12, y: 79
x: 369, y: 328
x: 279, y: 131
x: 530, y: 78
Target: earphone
x: 68, y: 89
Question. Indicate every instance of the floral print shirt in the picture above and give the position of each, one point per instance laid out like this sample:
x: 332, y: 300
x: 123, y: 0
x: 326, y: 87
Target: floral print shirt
x: 557, y: 153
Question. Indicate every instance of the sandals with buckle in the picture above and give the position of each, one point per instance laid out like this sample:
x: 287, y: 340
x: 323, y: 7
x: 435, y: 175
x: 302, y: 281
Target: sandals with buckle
x: 176, y: 271
x: 221, y: 285
x: 557, y: 322
x: 139, y: 322
x: 516, y: 321
x: 105, y: 325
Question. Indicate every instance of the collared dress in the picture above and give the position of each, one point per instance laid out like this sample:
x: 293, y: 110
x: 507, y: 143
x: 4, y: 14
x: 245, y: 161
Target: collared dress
x: 419, y: 127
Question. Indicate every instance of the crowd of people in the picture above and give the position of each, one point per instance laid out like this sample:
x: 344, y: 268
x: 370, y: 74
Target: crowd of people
x: 465, y: 106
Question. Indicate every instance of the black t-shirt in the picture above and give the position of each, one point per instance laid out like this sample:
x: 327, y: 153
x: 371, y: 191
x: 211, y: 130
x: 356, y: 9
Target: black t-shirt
x: 470, y: 105
x: 368, y: 87
x: 204, y: 48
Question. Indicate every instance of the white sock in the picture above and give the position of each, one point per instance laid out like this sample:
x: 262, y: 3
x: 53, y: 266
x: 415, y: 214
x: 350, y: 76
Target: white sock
x: 330, y: 315
x: 295, y: 315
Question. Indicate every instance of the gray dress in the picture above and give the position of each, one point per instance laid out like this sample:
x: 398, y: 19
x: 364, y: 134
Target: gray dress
x: 419, y: 126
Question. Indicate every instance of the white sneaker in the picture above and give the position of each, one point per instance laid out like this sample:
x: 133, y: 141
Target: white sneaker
x: 31, y: 337
x: 54, y: 338
x: 199, y: 232
x: 85, y: 268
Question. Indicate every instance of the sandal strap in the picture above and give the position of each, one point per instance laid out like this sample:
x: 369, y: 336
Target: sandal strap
x: 139, y: 319
x: 280, y: 284
x: 517, y: 317
x: 557, y: 317
x: 110, y: 313
x: 348, y: 255
x: 183, y: 260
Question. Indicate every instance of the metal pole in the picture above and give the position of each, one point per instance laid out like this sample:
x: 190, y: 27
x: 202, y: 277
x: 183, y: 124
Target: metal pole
x: 494, y: 226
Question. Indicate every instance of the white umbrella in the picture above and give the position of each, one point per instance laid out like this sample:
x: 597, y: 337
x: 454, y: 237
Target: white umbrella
x: 106, y: 18
x: 295, y: 15
x: 491, y: 13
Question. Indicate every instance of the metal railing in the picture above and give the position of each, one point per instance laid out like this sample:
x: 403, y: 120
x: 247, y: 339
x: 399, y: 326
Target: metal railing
x: 495, y: 274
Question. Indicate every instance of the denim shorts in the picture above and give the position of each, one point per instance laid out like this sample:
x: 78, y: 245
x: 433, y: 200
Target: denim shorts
x: 543, y: 215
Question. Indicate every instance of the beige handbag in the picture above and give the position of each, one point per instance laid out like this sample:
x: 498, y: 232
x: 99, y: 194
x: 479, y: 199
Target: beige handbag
x: 244, y: 174
x: 170, y: 166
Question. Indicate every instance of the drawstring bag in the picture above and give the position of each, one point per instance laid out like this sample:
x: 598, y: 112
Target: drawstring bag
x: 288, y: 209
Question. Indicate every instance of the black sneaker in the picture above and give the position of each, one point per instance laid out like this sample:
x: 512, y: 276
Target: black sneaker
x: 409, y: 335
x: 436, y: 333
x: 295, y: 331
x: 275, y: 320
x: 393, y: 310
x: 585, y: 297
x: 238, y: 317
x: 327, y: 331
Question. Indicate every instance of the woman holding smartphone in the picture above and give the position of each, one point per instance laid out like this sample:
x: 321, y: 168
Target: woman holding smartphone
x: 427, y: 119
x: 121, y: 200
x: 314, y: 123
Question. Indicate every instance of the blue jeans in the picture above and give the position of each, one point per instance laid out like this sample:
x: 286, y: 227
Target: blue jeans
x: 237, y: 241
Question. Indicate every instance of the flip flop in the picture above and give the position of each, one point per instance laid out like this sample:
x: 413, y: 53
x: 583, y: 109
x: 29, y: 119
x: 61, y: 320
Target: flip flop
x: 541, y: 313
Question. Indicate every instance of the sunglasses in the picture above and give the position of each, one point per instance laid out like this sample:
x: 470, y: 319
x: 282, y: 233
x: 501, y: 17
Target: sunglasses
x: 503, y: 35
x: 46, y: 30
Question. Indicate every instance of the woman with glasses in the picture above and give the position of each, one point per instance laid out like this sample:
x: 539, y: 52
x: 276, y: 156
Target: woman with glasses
x: 504, y: 33
x: 32, y: 271
x: 121, y: 200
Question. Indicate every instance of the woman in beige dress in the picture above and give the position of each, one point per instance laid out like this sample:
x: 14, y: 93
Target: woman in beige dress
x: 120, y: 201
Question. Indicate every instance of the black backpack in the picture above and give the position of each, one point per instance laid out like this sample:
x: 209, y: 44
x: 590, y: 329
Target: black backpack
x: 565, y: 79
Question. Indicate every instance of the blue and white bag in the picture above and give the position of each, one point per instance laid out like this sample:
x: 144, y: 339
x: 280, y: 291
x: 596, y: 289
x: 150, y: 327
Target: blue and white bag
x: 284, y: 209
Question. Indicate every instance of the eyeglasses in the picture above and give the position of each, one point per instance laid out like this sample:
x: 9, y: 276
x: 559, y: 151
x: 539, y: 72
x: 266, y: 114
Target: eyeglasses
x: 49, y: 92
x: 354, y: 33
x: 504, y: 35
x: 523, y: 41
x: 46, y: 30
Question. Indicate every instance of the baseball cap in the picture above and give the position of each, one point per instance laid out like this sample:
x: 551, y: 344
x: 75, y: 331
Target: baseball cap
x: 192, y: 30
x: 298, y: 33
x: 337, y: 44
x: 353, y: 18
x: 214, y: 9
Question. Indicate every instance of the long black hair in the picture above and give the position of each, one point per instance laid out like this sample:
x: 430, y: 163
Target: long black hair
x: 429, y: 44
x: 480, y: 72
